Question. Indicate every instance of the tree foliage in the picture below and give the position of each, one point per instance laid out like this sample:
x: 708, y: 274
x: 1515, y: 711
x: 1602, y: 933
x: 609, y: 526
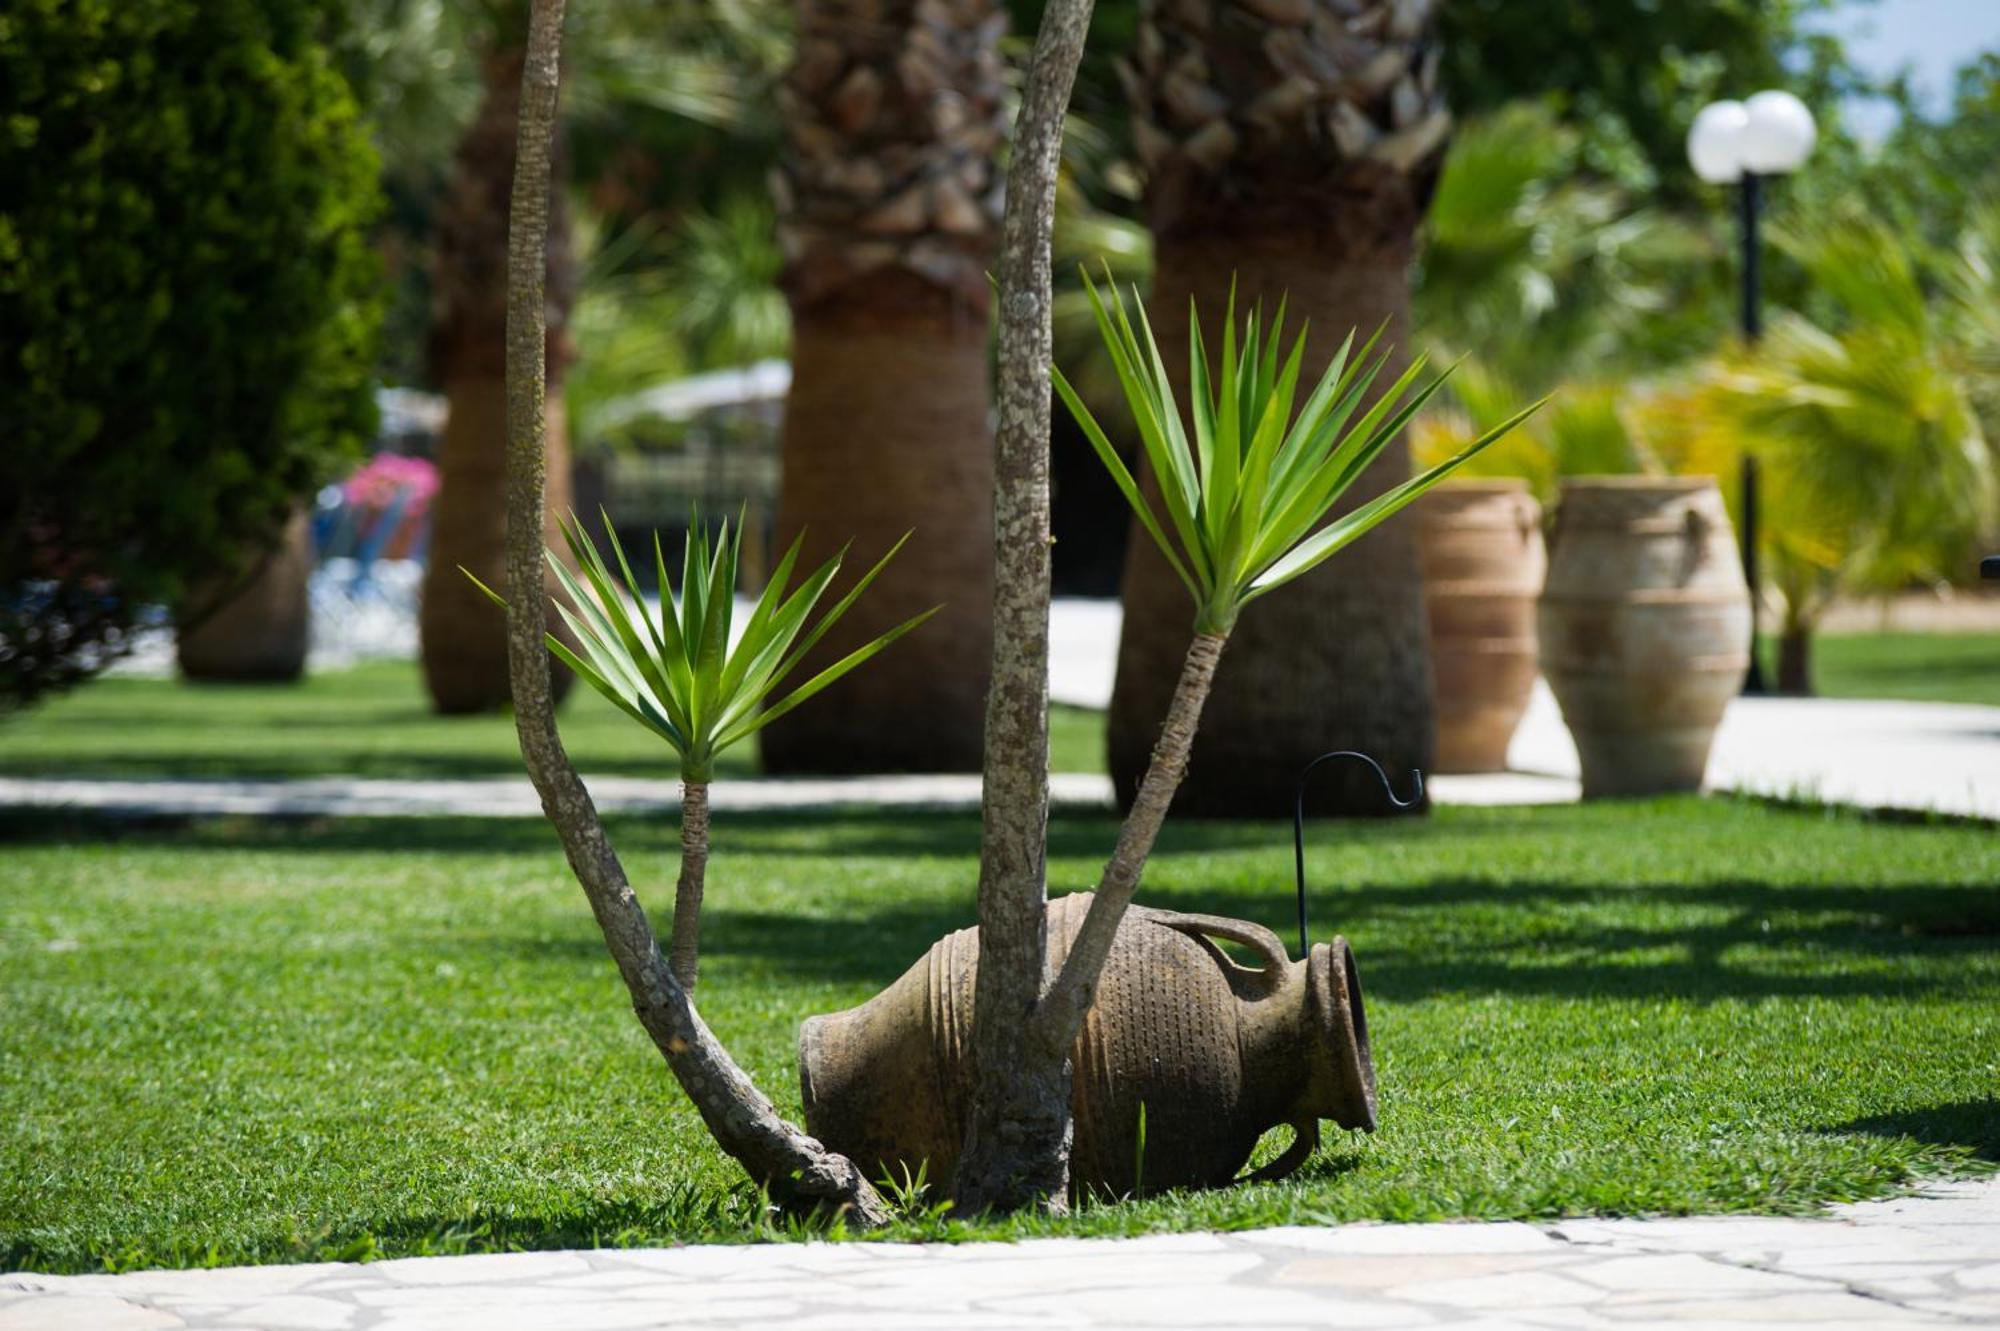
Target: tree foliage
x: 1632, y: 72
x: 187, y: 305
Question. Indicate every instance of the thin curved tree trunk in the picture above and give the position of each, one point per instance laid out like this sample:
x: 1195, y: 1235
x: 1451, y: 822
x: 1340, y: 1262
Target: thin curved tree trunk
x: 1293, y: 149
x: 1061, y: 1013
x: 1018, y: 1128
x: 890, y: 211
x: 777, y: 1155
x: 463, y: 645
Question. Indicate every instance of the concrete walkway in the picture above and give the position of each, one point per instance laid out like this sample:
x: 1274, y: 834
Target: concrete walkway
x: 513, y: 797
x: 1931, y: 1261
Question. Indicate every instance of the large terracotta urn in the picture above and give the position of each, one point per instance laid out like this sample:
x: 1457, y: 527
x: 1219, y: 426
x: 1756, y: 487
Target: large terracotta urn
x: 1213, y: 1052
x: 262, y: 632
x: 1480, y: 542
x: 1645, y: 628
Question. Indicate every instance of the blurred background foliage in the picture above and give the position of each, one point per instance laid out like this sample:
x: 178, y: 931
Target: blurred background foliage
x: 188, y: 307
x: 1570, y: 250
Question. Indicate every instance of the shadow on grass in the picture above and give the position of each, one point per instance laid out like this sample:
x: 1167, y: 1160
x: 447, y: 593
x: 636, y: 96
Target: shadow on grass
x: 1970, y: 1125
x: 1702, y: 941
x: 1742, y: 954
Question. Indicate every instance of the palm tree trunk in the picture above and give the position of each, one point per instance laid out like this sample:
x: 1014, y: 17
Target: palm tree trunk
x: 889, y: 205
x: 262, y: 632
x: 773, y: 1152
x: 1795, y: 661
x: 1293, y: 149
x: 686, y: 946
x: 463, y: 642
x: 1018, y: 1127
x: 886, y: 432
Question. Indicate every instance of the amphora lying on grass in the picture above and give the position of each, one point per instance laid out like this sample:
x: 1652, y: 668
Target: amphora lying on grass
x: 1186, y: 1059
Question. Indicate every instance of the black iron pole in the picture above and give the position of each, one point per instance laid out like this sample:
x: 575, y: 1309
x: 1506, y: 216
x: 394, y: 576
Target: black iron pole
x: 1751, y: 200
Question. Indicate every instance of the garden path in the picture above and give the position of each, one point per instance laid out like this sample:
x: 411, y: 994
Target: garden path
x: 1938, y: 757
x: 1930, y: 1260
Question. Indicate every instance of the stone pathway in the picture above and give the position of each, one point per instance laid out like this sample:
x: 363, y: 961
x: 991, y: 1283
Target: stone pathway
x: 513, y: 797
x: 1929, y: 1261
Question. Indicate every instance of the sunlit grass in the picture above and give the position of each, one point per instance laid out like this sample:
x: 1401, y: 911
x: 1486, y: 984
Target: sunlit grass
x: 259, y: 1041
x: 372, y: 720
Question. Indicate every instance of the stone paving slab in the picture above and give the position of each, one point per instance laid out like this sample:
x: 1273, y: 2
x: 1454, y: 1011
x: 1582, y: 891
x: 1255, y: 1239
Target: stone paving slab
x: 1931, y: 1260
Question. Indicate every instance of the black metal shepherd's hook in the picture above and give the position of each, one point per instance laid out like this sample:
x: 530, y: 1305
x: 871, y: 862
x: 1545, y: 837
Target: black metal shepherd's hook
x: 1299, y: 823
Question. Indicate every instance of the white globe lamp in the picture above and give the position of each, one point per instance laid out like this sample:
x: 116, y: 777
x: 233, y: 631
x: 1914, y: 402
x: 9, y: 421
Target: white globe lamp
x: 1739, y: 143
x: 1715, y: 142
x: 1777, y: 135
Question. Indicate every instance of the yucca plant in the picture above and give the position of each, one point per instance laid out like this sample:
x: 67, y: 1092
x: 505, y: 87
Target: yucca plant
x: 693, y: 676
x: 1244, y: 498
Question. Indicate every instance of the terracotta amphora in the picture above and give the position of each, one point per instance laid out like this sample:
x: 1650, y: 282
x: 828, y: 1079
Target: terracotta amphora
x: 1645, y: 628
x: 1212, y: 1053
x: 1480, y: 542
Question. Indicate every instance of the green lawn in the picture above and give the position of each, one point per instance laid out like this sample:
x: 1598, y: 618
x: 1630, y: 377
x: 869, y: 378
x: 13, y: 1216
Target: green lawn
x: 1926, y: 667
x: 371, y: 720
x: 374, y: 720
x: 270, y: 1041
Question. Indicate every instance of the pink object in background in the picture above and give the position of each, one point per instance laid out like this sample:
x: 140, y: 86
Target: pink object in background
x: 373, y: 491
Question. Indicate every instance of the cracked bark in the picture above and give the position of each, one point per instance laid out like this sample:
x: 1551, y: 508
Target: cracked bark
x: 796, y: 1168
x: 1018, y: 1129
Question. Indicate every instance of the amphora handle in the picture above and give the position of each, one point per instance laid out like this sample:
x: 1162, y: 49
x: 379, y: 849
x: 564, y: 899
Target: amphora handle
x: 1268, y: 946
x: 1305, y: 1140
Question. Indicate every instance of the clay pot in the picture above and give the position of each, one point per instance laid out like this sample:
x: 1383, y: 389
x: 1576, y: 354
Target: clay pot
x: 1216, y: 1053
x: 1481, y: 546
x: 262, y: 632
x: 1645, y: 628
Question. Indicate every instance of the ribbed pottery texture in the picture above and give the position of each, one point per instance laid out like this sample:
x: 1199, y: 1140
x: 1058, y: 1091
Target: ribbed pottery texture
x: 1217, y: 1053
x: 1645, y: 628
x: 1481, y: 546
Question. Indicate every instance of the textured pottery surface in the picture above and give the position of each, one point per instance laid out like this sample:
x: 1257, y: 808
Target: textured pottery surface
x: 1645, y: 628
x: 1216, y: 1052
x: 1483, y: 560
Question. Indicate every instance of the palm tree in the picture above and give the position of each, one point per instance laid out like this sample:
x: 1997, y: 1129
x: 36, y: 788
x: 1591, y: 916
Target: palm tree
x: 1880, y: 470
x: 1292, y: 146
x: 888, y: 203
x: 464, y: 647
x: 1544, y: 267
x: 696, y: 71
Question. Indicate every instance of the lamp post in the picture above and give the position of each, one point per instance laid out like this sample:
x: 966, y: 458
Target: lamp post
x: 1740, y: 143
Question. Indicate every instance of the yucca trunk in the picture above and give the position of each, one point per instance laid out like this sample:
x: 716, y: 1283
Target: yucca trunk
x: 889, y: 205
x: 685, y: 950
x: 1061, y: 1013
x: 1018, y: 1133
x: 1292, y: 147
x: 777, y: 1155
x: 463, y: 640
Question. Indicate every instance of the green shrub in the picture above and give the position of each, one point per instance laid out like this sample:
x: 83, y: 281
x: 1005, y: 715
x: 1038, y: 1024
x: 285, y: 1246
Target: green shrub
x: 188, y: 304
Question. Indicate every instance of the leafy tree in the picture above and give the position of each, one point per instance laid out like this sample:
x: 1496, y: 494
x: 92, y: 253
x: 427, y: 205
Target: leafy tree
x: 1632, y: 73
x: 188, y: 306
